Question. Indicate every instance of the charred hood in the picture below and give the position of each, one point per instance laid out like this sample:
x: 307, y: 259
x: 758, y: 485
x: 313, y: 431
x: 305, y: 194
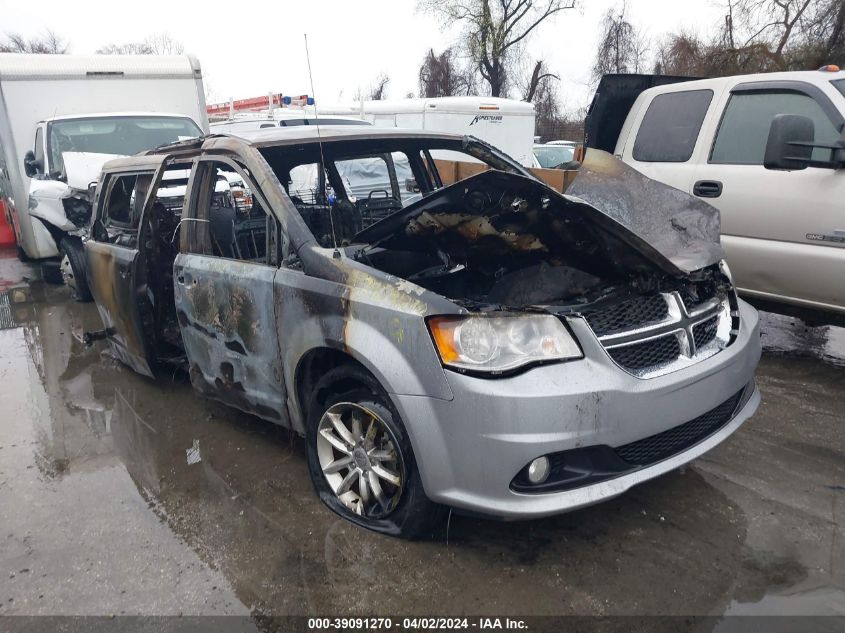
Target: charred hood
x: 681, y: 228
x: 616, y: 221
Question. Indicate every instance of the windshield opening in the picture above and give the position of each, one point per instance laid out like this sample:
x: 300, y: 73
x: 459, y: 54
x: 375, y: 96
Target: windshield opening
x: 114, y: 135
x: 368, y: 180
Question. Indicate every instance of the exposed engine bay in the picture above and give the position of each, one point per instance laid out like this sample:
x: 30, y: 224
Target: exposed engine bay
x: 502, y: 240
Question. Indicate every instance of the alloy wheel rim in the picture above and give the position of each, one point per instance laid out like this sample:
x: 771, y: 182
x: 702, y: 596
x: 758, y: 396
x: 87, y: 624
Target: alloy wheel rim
x: 360, y: 459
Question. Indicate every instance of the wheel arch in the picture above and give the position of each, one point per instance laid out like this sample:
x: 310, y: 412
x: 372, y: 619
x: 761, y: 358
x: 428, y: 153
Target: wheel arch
x: 311, y: 366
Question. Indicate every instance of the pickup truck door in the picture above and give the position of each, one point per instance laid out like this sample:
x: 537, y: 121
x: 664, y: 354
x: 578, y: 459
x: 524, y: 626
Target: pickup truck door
x: 783, y: 231
x: 663, y: 135
x: 116, y: 264
x: 223, y: 284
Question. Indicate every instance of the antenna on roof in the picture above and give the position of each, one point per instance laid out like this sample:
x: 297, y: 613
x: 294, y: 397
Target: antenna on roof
x: 322, y: 173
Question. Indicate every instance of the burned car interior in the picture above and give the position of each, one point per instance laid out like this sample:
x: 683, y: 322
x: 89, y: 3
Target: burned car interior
x: 360, y: 184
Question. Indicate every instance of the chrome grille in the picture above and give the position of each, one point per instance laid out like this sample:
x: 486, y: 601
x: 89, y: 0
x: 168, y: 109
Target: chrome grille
x: 650, y: 353
x: 705, y: 332
x: 637, y: 312
x: 656, y: 334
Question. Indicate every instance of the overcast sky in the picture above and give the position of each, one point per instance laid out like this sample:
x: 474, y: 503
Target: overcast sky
x: 251, y: 48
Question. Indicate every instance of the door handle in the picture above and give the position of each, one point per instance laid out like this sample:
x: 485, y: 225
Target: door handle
x: 707, y: 188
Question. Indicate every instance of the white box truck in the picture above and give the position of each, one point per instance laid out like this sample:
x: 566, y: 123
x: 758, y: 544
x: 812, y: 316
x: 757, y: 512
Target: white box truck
x: 506, y: 124
x: 61, y: 118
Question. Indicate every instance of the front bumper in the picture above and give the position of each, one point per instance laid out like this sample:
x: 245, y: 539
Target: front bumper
x: 469, y: 449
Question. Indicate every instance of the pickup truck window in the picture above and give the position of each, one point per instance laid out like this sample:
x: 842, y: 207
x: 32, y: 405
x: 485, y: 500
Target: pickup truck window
x: 744, y: 130
x: 839, y: 84
x: 670, y: 126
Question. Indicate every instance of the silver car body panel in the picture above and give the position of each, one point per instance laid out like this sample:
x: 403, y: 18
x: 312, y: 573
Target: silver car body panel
x: 469, y: 449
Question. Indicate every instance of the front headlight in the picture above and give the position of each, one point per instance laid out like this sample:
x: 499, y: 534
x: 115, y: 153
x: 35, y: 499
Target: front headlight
x: 498, y: 344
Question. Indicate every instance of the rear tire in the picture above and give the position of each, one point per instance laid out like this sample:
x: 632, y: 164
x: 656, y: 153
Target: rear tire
x: 73, y: 269
x: 380, y: 454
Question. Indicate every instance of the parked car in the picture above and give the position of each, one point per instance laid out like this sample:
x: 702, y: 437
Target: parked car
x: 495, y: 346
x: 768, y: 151
x: 61, y: 118
x: 555, y: 156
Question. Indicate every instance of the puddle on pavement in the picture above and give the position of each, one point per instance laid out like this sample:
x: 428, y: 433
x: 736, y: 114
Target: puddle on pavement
x: 790, y: 336
x: 235, y: 489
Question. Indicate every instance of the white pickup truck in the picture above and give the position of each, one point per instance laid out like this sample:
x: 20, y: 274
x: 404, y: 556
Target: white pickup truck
x: 768, y: 151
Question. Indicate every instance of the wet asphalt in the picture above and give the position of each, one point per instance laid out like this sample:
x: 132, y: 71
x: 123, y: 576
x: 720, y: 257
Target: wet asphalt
x: 124, y: 495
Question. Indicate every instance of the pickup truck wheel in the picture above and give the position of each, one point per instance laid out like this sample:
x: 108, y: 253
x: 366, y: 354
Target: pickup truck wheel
x: 360, y: 459
x: 74, y: 272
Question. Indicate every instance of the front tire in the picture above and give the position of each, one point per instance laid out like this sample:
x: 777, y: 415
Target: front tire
x: 360, y: 458
x: 74, y: 270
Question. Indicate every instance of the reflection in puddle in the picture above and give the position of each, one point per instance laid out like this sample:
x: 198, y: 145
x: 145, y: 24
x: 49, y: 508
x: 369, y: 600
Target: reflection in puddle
x: 817, y: 601
x: 78, y: 538
x: 790, y: 336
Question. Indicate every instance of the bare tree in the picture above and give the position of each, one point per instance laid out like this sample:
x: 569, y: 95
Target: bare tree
x: 760, y: 36
x: 155, y: 44
x: 821, y: 39
x: 769, y: 22
x: 622, y: 48
x: 378, y: 89
x: 547, y: 108
x: 536, y: 81
x: 494, y: 30
x: 683, y: 54
x: 441, y: 76
x: 128, y: 48
x: 164, y: 44
x: 49, y: 43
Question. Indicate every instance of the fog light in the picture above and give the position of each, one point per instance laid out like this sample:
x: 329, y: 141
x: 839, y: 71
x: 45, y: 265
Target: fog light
x: 538, y: 470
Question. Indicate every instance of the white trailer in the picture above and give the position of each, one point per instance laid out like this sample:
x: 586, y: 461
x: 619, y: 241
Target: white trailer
x: 504, y: 123
x: 47, y: 129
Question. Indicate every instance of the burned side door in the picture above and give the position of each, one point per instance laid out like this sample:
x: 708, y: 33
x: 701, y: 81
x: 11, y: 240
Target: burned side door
x: 116, y: 266
x: 223, y: 283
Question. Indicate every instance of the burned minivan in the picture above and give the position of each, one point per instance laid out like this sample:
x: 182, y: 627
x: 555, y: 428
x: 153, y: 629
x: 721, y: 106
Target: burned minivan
x: 487, y: 344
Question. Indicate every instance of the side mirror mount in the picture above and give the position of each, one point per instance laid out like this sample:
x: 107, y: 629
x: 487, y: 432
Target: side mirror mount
x: 31, y: 166
x: 790, y: 144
